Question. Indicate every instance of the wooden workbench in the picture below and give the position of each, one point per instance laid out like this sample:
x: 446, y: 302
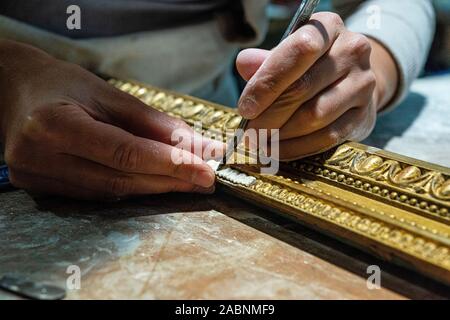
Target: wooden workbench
x: 213, y: 247
x: 187, y: 247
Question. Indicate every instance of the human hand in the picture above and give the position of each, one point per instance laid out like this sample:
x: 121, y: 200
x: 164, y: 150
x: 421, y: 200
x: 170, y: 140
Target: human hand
x: 321, y: 86
x: 67, y: 132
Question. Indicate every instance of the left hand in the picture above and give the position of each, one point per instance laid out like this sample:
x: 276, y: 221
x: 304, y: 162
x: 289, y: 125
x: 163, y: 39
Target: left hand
x: 321, y: 86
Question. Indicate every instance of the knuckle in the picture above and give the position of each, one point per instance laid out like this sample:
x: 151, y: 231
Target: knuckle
x: 34, y: 125
x: 267, y: 83
x: 371, y: 80
x: 334, y: 136
x: 368, y: 82
x: 328, y: 16
x: 174, y: 167
x: 176, y: 170
x: 359, y: 45
x: 305, y: 44
x: 315, y: 118
x: 335, y: 19
x: 316, y: 115
x: 120, y: 186
x: 126, y: 157
x: 44, y: 123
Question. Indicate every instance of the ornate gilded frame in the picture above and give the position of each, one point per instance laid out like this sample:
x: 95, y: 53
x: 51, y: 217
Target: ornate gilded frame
x: 391, y: 206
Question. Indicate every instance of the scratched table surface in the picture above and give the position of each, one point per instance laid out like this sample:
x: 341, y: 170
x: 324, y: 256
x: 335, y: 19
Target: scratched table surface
x: 206, y: 247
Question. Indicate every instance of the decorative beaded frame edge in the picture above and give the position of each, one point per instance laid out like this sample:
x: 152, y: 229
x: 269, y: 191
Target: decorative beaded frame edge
x: 391, y: 206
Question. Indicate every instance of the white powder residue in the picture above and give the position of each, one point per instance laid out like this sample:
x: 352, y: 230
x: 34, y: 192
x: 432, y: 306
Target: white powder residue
x: 236, y: 177
x: 232, y: 175
x: 213, y: 164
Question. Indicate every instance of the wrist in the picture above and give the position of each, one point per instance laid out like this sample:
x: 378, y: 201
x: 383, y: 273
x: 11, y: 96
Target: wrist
x: 386, y: 73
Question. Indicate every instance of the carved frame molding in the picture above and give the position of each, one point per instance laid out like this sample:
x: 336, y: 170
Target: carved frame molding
x: 391, y: 206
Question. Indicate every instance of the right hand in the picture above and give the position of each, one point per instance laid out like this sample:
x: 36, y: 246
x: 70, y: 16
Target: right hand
x: 67, y: 132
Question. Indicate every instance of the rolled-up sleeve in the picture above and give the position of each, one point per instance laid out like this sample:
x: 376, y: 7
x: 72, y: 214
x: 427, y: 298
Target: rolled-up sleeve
x: 404, y: 27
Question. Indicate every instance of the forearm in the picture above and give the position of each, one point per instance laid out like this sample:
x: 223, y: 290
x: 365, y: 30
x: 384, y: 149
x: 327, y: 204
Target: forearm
x: 386, y: 73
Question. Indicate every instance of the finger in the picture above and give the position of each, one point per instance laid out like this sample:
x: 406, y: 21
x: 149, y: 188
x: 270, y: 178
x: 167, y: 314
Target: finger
x: 249, y: 61
x: 129, y: 113
x: 288, y: 62
x: 350, y: 126
x: 78, y: 134
x: 324, y: 109
x: 88, y: 179
x: 198, y: 144
x: 334, y: 65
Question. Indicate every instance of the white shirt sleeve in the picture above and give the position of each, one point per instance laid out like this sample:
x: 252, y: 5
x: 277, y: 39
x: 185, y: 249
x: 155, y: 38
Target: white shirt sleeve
x: 404, y: 27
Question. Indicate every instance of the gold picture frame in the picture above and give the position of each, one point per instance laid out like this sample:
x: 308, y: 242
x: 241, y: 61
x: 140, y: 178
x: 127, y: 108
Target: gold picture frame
x: 391, y: 206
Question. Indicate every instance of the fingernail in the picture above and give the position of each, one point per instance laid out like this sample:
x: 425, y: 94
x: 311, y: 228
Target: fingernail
x: 248, y: 107
x: 204, y: 178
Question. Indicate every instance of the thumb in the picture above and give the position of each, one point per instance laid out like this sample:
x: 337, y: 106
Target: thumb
x: 249, y: 61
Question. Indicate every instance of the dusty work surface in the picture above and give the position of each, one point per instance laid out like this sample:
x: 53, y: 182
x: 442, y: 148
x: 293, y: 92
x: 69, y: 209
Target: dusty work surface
x: 185, y: 246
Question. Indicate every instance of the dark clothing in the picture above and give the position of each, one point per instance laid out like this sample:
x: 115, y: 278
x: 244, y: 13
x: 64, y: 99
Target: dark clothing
x: 104, y: 18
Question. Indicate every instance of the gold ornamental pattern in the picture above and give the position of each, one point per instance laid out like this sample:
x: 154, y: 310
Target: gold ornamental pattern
x: 394, y: 207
